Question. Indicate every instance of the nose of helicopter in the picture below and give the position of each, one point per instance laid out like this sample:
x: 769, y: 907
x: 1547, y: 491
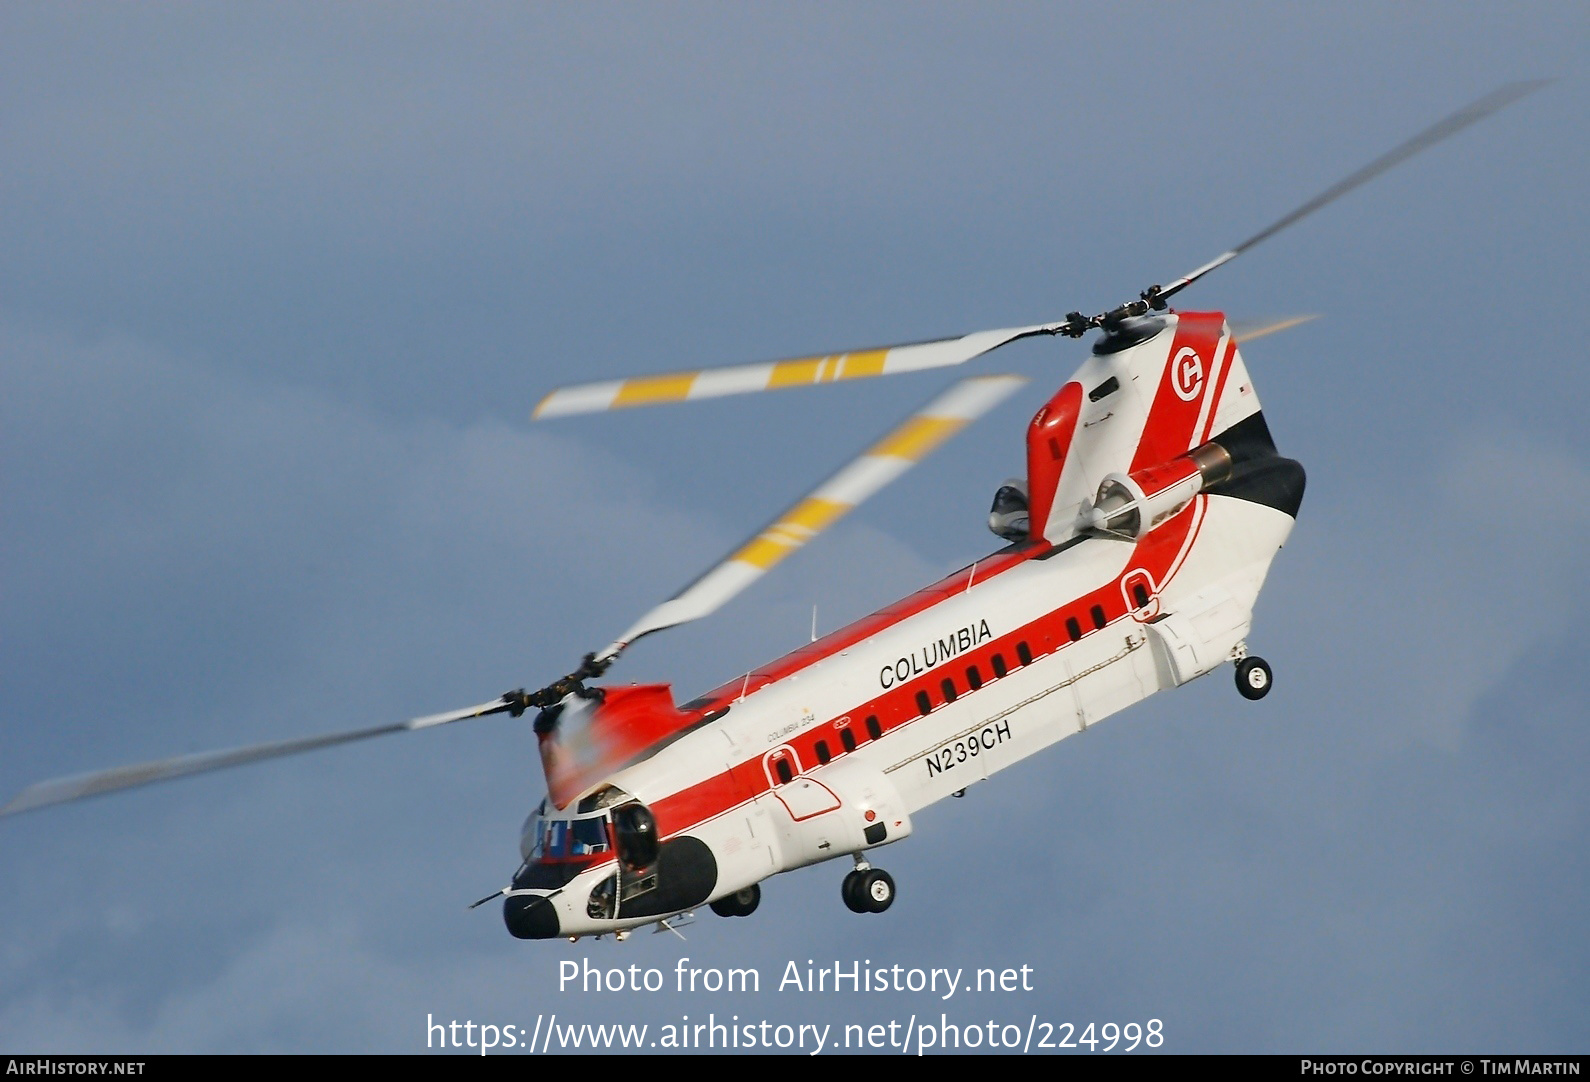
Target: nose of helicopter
x: 530, y: 916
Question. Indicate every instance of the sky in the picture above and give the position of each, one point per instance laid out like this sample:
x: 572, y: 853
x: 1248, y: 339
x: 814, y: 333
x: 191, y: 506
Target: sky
x: 282, y: 283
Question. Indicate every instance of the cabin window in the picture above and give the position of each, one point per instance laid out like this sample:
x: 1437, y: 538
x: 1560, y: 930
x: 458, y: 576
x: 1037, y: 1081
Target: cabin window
x: 782, y: 768
x: 1024, y: 653
x: 1097, y: 612
x: 874, y: 730
x: 999, y: 665
x: 1140, y: 594
x: 923, y: 704
x: 973, y: 677
x: 1073, y: 628
x: 823, y: 754
x: 847, y: 737
x: 949, y: 689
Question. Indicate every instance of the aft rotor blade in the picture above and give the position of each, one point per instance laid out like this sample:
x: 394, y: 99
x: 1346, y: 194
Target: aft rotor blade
x: 61, y: 790
x: 1247, y: 330
x: 773, y: 375
x: 1479, y: 110
x: 908, y: 444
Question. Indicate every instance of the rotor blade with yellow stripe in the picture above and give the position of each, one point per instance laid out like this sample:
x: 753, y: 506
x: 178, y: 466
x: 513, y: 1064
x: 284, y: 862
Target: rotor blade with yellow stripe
x: 772, y: 375
x: 863, y: 476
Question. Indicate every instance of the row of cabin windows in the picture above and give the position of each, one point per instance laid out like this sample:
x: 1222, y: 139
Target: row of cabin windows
x: 847, y: 737
x: 1074, y: 628
x: 974, y: 677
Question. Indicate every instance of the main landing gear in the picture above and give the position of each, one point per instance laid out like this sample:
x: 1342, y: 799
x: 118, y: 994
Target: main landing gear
x: 1253, y: 677
x: 742, y: 903
x: 867, y: 889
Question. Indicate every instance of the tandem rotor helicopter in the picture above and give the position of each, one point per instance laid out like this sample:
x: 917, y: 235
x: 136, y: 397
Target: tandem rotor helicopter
x: 1137, y: 543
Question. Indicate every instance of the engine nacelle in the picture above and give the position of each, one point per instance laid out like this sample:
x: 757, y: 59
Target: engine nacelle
x: 1009, y: 515
x: 1130, y: 506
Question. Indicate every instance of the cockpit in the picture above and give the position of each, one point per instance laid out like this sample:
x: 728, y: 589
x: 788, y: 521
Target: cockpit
x: 614, y: 839
x: 559, y: 844
x: 553, y: 835
x: 576, y: 834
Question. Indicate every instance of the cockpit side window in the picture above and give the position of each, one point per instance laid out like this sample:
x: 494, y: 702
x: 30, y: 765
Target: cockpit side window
x: 590, y: 833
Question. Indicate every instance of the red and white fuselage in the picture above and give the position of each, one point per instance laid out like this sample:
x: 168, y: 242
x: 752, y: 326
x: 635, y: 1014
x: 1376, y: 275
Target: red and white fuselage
x: 1148, y: 549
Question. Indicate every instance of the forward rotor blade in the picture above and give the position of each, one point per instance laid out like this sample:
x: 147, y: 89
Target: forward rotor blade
x: 773, y: 375
x: 908, y: 444
x: 1479, y: 110
x: 61, y: 790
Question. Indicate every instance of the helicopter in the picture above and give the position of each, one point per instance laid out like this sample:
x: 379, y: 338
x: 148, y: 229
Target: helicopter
x: 1155, y: 501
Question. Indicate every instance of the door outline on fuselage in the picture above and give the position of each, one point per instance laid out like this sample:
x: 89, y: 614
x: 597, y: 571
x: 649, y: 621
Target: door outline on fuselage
x: 803, y: 797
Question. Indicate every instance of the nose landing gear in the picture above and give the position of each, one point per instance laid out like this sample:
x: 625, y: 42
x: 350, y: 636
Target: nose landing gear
x: 867, y: 889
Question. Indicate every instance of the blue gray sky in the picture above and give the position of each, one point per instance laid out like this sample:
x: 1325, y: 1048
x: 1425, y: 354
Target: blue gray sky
x: 282, y: 283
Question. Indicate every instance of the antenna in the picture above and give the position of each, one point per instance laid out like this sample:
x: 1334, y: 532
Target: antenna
x: 814, y: 623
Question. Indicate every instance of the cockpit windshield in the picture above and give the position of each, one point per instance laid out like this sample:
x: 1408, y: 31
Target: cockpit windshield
x: 583, y: 831
x: 555, y: 835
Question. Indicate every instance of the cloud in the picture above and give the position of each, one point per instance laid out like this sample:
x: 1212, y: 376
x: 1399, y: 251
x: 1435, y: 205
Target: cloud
x: 280, y: 294
x: 211, y: 561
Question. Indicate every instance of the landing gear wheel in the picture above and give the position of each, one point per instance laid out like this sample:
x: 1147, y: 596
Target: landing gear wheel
x: 875, y: 890
x: 1253, y: 678
x: 852, y: 896
x: 742, y: 903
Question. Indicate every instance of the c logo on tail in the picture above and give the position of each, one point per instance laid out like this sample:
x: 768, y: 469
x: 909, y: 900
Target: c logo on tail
x: 1187, y: 374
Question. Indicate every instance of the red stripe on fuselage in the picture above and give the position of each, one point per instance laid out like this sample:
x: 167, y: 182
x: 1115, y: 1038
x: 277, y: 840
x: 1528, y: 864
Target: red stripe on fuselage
x: 1167, y: 432
x: 868, y: 626
x: 1159, y: 554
